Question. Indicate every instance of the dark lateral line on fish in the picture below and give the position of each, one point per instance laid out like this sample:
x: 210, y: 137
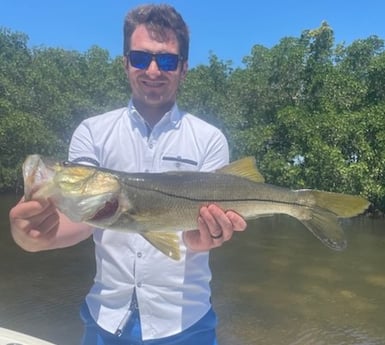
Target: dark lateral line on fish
x: 216, y: 200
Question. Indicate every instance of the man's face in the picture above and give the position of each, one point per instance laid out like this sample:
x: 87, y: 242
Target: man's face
x: 153, y: 90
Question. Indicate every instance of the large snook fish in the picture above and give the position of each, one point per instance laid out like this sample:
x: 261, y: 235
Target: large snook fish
x: 157, y: 205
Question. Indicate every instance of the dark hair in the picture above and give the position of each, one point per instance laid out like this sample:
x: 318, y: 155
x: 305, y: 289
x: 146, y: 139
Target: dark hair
x: 158, y: 19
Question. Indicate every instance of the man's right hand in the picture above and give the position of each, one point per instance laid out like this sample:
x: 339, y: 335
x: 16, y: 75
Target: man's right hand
x: 34, y: 224
x: 37, y: 225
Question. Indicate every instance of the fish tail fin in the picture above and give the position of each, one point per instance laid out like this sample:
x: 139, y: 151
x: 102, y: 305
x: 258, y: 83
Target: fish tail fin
x: 324, y: 225
x: 342, y: 205
x: 325, y: 209
x: 166, y: 242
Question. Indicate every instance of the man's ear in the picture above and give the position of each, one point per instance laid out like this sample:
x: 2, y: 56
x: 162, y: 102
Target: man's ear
x: 125, y: 63
x: 183, y: 72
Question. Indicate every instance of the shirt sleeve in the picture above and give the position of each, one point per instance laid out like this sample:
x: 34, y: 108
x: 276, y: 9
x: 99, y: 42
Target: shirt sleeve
x: 82, y: 149
x: 217, y: 154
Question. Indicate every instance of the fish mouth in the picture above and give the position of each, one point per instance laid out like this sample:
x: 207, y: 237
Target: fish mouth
x: 35, y: 173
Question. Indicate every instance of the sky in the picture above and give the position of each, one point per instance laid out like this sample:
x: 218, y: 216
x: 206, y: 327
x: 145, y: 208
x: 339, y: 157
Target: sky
x: 229, y: 29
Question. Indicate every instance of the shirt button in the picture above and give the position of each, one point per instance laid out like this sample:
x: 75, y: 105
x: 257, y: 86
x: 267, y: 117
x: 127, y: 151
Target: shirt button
x: 151, y: 146
x: 139, y: 284
x: 139, y: 254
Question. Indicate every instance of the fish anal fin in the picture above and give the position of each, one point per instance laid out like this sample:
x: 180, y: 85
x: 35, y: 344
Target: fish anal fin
x: 166, y: 242
x: 324, y: 225
x: 244, y: 167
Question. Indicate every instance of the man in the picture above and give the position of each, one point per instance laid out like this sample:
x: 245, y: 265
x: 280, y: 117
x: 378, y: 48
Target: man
x: 140, y: 296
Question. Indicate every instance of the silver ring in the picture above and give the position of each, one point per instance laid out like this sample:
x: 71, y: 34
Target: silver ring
x: 217, y: 236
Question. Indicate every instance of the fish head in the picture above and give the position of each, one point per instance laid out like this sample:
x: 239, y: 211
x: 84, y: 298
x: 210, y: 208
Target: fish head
x: 82, y: 192
x: 83, y: 181
x: 86, y: 193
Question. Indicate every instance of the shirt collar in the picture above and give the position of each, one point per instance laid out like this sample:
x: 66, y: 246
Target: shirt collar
x: 172, y: 117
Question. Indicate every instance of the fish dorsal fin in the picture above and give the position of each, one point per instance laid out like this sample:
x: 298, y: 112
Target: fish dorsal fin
x: 244, y: 167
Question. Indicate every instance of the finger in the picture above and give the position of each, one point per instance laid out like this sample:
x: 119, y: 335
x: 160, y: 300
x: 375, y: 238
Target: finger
x: 212, y: 235
x: 47, y: 233
x: 238, y: 222
x: 48, y: 222
x: 209, y: 216
x: 34, y: 218
x: 222, y: 223
x: 198, y: 240
x: 27, y: 209
x: 204, y: 231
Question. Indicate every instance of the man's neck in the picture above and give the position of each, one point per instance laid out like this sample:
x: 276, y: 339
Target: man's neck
x: 152, y: 115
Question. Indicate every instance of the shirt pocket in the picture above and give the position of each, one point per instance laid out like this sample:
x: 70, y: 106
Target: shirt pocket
x: 173, y: 162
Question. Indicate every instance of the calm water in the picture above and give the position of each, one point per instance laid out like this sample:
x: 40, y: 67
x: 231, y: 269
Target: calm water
x: 273, y: 285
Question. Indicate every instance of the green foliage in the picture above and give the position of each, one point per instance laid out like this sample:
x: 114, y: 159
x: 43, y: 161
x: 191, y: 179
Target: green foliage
x: 204, y: 91
x: 310, y: 111
x: 45, y: 93
x: 21, y: 134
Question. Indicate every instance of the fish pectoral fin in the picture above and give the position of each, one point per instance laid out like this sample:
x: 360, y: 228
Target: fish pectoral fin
x: 324, y: 225
x: 166, y: 242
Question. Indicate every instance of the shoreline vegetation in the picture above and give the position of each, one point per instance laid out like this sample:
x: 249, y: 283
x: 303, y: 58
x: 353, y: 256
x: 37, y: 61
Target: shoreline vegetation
x: 310, y: 110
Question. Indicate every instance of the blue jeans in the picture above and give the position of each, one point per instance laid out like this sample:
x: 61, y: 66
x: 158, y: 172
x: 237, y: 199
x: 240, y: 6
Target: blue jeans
x: 202, y: 333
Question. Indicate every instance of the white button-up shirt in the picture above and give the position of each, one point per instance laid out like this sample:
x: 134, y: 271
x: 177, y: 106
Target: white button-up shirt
x: 172, y: 295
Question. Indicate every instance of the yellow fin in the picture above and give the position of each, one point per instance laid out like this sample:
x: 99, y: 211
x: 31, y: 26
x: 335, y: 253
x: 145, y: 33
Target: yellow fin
x: 244, y: 167
x: 324, y: 225
x: 166, y: 242
x: 342, y: 205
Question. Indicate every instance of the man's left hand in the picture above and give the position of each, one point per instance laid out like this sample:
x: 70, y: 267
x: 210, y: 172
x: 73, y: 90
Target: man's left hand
x: 215, y: 227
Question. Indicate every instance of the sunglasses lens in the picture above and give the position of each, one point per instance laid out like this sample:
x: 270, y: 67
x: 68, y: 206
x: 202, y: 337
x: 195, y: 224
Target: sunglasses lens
x: 166, y: 62
x: 139, y: 59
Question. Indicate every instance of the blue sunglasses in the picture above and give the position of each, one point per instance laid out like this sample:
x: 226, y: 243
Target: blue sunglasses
x: 165, y: 61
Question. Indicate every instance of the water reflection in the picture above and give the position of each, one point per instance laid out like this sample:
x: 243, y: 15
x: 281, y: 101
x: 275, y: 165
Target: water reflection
x: 273, y: 285
x: 40, y: 293
x: 282, y: 287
